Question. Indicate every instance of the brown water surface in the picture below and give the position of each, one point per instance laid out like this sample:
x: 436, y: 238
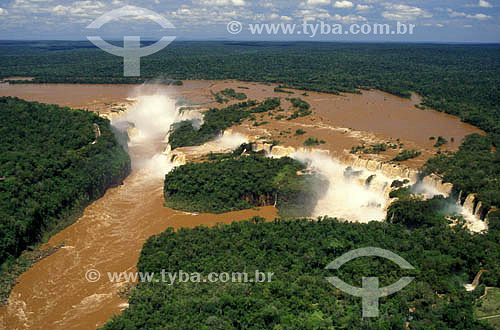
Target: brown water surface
x: 54, y: 293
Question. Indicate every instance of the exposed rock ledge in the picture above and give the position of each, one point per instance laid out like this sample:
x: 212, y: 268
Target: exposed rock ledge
x: 390, y: 170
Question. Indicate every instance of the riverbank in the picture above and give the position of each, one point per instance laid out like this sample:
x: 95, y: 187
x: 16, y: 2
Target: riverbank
x: 109, y: 236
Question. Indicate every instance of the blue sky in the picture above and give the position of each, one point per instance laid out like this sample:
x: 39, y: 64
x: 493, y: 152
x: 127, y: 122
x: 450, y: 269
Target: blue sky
x: 436, y: 21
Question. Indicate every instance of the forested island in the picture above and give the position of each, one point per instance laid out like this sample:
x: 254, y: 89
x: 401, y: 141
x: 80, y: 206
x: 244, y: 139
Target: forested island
x: 215, y: 121
x: 241, y: 182
x: 53, y: 162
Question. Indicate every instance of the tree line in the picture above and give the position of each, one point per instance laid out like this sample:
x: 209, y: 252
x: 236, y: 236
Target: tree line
x: 299, y: 296
x: 52, y: 165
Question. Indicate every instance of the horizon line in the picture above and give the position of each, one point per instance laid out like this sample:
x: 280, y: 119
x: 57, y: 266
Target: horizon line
x: 277, y: 41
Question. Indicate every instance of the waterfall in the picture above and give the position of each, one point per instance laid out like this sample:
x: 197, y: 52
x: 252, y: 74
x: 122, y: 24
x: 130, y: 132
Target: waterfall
x: 354, y: 194
x: 147, y: 122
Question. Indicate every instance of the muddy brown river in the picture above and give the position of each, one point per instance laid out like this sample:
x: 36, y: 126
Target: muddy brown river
x: 54, y: 293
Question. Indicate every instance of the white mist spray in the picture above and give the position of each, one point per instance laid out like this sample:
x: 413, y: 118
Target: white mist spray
x: 224, y: 143
x: 347, y: 197
x: 152, y: 115
x: 472, y: 222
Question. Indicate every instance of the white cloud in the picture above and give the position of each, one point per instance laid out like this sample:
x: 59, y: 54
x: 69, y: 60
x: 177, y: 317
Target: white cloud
x: 312, y: 13
x: 3, y: 11
x: 215, y: 2
x: 397, y: 12
x: 286, y: 18
x: 60, y: 10
x: 484, y: 3
x: 431, y: 24
x: 223, y: 2
x: 238, y: 2
x: 318, y: 2
x: 349, y: 18
x: 468, y: 26
x: 343, y: 4
x: 363, y: 7
x: 453, y: 13
x: 480, y: 17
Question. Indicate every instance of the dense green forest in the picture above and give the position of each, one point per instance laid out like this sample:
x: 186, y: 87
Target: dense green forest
x: 299, y: 296
x: 463, y: 80
x: 460, y: 79
x: 53, y: 162
x: 474, y: 168
x: 236, y: 183
x: 215, y: 121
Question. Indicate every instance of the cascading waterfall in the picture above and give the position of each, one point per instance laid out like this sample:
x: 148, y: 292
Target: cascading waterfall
x: 359, y: 189
x: 472, y: 211
x: 151, y: 117
x: 353, y: 194
x: 148, y: 121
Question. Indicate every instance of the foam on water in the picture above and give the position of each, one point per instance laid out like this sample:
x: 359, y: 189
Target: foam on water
x: 347, y: 197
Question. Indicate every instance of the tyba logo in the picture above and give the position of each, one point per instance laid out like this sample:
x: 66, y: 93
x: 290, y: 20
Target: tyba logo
x: 370, y: 292
x: 131, y: 50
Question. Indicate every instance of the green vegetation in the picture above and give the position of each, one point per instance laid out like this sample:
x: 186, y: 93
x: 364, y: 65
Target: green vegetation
x: 300, y: 131
x: 219, y: 98
x: 313, y: 142
x: 269, y: 103
x: 474, y: 168
x: 260, y: 124
x: 406, y: 154
x: 301, y: 108
x: 402, y: 192
x: 299, y: 297
x: 375, y: 148
x: 462, y: 80
x: 300, y: 104
x: 399, y: 184
x: 231, y: 94
x: 440, y: 142
x: 440, y: 73
x: 488, y: 307
x: 228, y: 94
x: 215, y: 121
x: 413, y: 212
x: 237, y: 183
x: 53, y: 162
x: 279, y: 89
